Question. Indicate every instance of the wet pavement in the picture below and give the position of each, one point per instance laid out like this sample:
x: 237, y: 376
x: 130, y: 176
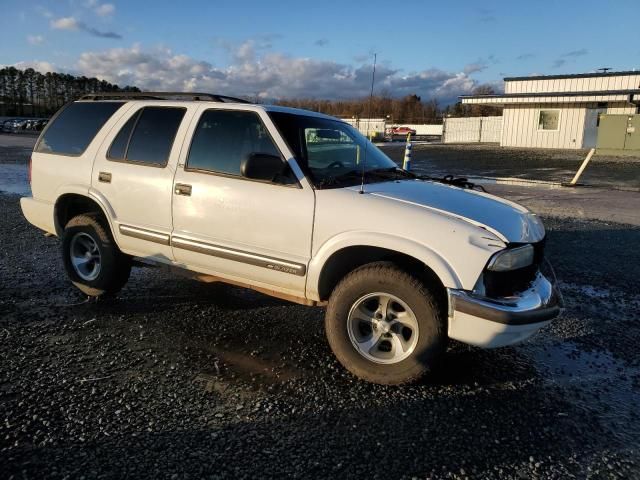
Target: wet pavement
x: 526, y: 164
x: 177, y: 379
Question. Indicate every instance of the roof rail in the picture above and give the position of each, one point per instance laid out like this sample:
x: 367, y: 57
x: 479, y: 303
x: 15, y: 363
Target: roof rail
x: 211, y: 97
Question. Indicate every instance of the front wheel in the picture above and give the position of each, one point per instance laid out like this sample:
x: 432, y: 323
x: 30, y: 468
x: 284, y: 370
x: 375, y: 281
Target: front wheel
x: 91, y: 257
x: 384, y: 325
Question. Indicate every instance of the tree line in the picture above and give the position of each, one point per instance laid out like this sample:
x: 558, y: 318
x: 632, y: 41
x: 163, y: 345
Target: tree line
x: 31, y: 93
x: 407, y: 109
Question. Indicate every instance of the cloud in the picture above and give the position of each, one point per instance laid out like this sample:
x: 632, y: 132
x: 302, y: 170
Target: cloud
x: 35, y: 39
x: 575, y: 53
x: 486, y: 15
x: 480, y: 64
x: 321, y: 42
x: 40, y: 10
x: 474, y: 67
x: 105, y: 9
x: 65, y: 23
x: 40, y: 66
x: 270, y: 75
x: 525, y: 56
x: 99, y: 33
x: 568, y: 56
x: 561, y: 62
x: 72, y: 24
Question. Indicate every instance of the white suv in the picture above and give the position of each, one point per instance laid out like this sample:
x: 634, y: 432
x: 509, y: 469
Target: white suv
x: 294, y: 204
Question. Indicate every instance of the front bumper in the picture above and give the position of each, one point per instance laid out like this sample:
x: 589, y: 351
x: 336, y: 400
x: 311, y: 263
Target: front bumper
x: 496, y: 322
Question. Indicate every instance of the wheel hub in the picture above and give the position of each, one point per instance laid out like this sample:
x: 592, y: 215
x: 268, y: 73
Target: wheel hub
x: 382, y: 328
x: 85, y: 257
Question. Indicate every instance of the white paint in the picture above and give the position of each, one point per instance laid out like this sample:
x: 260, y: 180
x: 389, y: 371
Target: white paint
x: 452, y: 230
x: 472, y: 129
x: 574, y: 84
x: 520, y: 127
x: 591, y: 126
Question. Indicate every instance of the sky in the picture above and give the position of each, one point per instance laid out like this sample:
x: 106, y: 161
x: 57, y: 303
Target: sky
x: 289, y: 49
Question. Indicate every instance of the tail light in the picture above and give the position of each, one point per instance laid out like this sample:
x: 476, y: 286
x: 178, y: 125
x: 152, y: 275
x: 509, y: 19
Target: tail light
x: 29, y: 171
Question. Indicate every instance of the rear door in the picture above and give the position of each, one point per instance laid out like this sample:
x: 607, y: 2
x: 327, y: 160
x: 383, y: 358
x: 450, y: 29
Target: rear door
x: 253, y: 232
x: 133, y: 175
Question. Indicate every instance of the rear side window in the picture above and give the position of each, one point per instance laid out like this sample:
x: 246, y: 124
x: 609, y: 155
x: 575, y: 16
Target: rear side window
x: 148, y: 136
x: 73, y: 129
x: 118, y: 149
x: 224, y: 138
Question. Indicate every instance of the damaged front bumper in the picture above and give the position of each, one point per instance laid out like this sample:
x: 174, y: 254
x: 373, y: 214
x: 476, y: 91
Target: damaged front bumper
x: 496, y: 322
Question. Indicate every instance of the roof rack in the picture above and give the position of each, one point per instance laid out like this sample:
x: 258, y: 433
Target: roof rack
x: 211, y: 97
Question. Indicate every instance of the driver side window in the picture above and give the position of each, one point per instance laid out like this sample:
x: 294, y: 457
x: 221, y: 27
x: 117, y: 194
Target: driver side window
x: 224, y: 138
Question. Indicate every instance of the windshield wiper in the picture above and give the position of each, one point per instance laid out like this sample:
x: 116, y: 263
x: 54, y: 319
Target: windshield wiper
x: 460, y: 182
x: 447, y: 179
x: 391, y: 173
x: 336, y: 179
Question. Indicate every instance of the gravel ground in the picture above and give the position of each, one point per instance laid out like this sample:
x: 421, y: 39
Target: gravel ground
x: 177, y: 379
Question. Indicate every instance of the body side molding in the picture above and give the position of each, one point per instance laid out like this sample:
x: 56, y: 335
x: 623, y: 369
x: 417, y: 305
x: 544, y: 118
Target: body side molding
x: 239, y: 256
x: 144, y: 234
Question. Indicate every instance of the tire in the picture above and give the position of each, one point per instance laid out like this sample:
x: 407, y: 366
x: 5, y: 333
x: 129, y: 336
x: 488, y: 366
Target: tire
x: 411, y: 309
x: 87, y: 233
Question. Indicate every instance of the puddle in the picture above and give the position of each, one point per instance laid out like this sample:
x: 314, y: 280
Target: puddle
x: 13, y: 179
x: 596, y: 382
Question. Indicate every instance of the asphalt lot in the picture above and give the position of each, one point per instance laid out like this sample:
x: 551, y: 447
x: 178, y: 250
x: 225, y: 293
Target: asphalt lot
x: 558, y: 166
x: 176, y: 379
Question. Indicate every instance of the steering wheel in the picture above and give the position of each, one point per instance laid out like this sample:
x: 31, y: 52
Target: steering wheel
x: 336, y: 164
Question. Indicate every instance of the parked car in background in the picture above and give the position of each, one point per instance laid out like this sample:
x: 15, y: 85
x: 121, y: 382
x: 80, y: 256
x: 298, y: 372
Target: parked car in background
x: 402, y: 131
x: 8, y: 125
x: 281, y: 200
x: 18, y: 125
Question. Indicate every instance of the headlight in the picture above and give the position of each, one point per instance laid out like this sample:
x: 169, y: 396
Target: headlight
x: 512, y: 259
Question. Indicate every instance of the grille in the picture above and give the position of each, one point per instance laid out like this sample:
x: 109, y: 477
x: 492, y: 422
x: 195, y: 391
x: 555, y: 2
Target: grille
x: 506, y: 284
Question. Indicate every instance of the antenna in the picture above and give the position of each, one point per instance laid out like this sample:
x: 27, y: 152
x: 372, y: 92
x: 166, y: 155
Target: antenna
x: 366, y: 145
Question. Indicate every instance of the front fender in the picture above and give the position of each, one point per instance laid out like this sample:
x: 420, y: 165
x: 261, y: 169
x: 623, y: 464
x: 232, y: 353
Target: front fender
x: 445, y: 272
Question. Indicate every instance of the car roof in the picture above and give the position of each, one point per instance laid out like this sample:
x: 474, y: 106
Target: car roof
x: 188, y: 97
x: 235, y: 105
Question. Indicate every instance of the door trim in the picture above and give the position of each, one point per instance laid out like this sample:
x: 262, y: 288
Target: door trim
x: 144, y: 234
x: 271, y: 263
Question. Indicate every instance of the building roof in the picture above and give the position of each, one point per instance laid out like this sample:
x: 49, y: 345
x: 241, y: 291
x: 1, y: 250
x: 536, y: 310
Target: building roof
x: 575, y: 75
x: 554, y: 97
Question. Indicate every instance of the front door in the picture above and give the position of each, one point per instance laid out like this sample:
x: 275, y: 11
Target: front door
x: 133, y: 176
x: 253, y: 232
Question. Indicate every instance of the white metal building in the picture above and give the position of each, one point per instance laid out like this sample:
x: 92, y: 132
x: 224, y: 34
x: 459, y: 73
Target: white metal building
x: 368, y: 126
x: 560, y: 111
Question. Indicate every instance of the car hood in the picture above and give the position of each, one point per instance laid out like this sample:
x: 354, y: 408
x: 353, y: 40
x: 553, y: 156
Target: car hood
x: 508, y: 220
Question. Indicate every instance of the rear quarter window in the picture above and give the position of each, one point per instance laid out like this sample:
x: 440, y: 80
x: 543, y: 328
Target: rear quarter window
x: 73, y: 129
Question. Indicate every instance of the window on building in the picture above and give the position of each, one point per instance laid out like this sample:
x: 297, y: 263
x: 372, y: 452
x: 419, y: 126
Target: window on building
x: 549, y: 120
x: 148, y: 136
x: 223, y: 138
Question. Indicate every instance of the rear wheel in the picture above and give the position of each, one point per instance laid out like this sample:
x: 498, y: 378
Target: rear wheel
x: 384, y: 325
x: 91, y: 257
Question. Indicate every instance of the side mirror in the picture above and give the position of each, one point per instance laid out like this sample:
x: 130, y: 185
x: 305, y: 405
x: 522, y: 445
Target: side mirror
x: 261, y: 166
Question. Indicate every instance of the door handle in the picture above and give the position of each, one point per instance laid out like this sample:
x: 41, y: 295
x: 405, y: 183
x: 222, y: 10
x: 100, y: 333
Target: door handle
x: 182, y: 189
x: 104, y: 177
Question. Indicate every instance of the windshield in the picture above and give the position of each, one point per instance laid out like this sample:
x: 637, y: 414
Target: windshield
x: 330, y: 152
